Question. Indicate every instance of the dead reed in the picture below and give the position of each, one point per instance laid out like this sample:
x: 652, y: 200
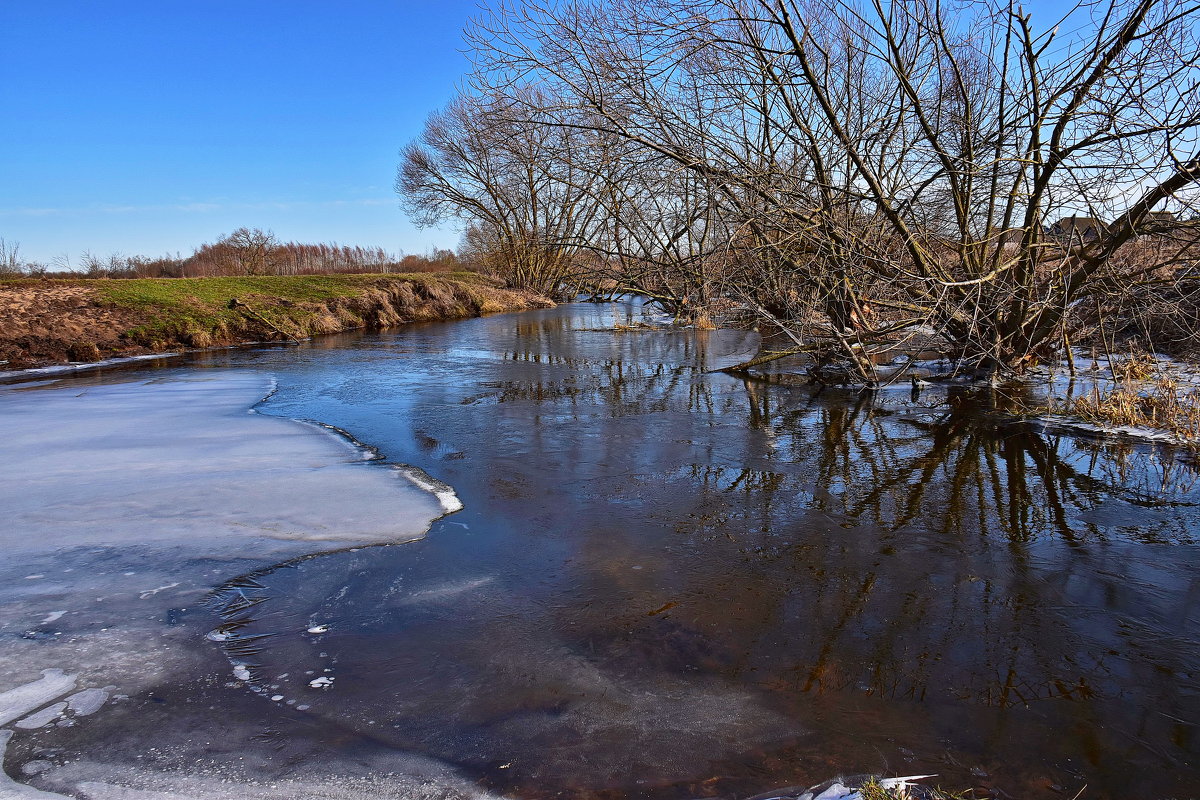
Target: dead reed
x: 1160, y: 405
x: 877, y: 790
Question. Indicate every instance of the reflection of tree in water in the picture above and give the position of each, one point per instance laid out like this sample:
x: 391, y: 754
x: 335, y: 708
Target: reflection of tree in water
x: 1151, y: 476
x: 1035, y: 584
x: 963, y: 468
x: 944, y: 555
x: 619, y: 386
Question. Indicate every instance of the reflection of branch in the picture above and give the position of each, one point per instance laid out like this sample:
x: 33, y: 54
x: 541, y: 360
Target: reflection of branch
x: 944, y: 439
x: 996, y: 474
x: 1049, y: 468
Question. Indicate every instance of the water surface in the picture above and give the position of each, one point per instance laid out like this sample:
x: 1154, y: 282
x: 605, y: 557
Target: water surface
x: 673, y: 583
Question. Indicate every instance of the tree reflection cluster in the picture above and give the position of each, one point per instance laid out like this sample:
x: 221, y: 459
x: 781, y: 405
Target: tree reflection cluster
x: 659, y: 563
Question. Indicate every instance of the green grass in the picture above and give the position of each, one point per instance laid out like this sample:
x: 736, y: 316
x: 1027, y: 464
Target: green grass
x: 196, y: 309
x: 160, y: 314
x: 185, y: 293
x: 196, y: 312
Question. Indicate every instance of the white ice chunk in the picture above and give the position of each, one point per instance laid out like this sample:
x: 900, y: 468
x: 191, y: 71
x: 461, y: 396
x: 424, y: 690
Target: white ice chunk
x: 30, y: 696
x: 43, y: 717
x: 837, y: 792
x: 87, y: 702
x: 107, y: 791
x: 178, y: 462
x: 443, y: 492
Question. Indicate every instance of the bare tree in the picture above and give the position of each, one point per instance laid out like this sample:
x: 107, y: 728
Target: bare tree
x: 11, y: 263
x: 517, y: 183
x: 251, y: 251
x: 897, y: 164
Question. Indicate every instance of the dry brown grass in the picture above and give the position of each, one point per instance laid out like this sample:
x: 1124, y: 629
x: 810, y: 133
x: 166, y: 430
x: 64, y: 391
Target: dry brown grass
x: 1161, y: 406
x: 1138, y: 367
x: 873, y: 790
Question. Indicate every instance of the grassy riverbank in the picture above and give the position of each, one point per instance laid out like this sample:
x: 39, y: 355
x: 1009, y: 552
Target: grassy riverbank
x: 55, y: 321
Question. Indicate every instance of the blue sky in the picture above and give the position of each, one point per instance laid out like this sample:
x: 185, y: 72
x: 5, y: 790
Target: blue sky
x: 151, y: 127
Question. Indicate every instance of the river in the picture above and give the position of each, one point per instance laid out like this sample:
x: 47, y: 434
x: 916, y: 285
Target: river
x: 667, y: 582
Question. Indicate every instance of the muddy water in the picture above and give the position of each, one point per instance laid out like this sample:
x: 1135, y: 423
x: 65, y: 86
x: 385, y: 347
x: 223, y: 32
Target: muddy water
x: 673, y: 583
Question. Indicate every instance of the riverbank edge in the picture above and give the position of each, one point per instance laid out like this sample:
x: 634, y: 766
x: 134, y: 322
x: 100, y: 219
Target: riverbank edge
x: 47, y: 322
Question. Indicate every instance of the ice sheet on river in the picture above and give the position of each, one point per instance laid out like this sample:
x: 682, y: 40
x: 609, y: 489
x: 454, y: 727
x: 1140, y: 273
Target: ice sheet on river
x: 160, y: 463
x: 124, y: 504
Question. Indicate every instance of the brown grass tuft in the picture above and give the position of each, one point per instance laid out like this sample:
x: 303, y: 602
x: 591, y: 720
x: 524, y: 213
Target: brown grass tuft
x: 83, y: 351
x: 198, y: 338
x: 1161, y: 406
x: 1138, y: 367
x: 873, y: 790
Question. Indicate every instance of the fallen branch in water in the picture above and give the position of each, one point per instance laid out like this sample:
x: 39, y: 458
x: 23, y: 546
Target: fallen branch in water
x: 764, y: 358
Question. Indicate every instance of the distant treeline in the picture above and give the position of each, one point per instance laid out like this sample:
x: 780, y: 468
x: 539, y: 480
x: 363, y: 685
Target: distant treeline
x: 246, y: 251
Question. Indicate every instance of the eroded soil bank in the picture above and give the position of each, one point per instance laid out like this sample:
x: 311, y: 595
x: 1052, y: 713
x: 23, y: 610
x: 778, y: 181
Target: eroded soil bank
x: 81, y: 320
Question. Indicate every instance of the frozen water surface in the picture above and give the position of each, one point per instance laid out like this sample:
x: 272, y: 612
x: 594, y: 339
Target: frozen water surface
x: 126, y: 501
x: 20, y: 700
x: 156, y: 463
x: 662, y: 582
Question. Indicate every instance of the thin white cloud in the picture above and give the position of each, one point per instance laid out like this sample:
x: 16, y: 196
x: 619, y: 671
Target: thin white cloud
x: 30, y: 212
x: 197, y: 208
